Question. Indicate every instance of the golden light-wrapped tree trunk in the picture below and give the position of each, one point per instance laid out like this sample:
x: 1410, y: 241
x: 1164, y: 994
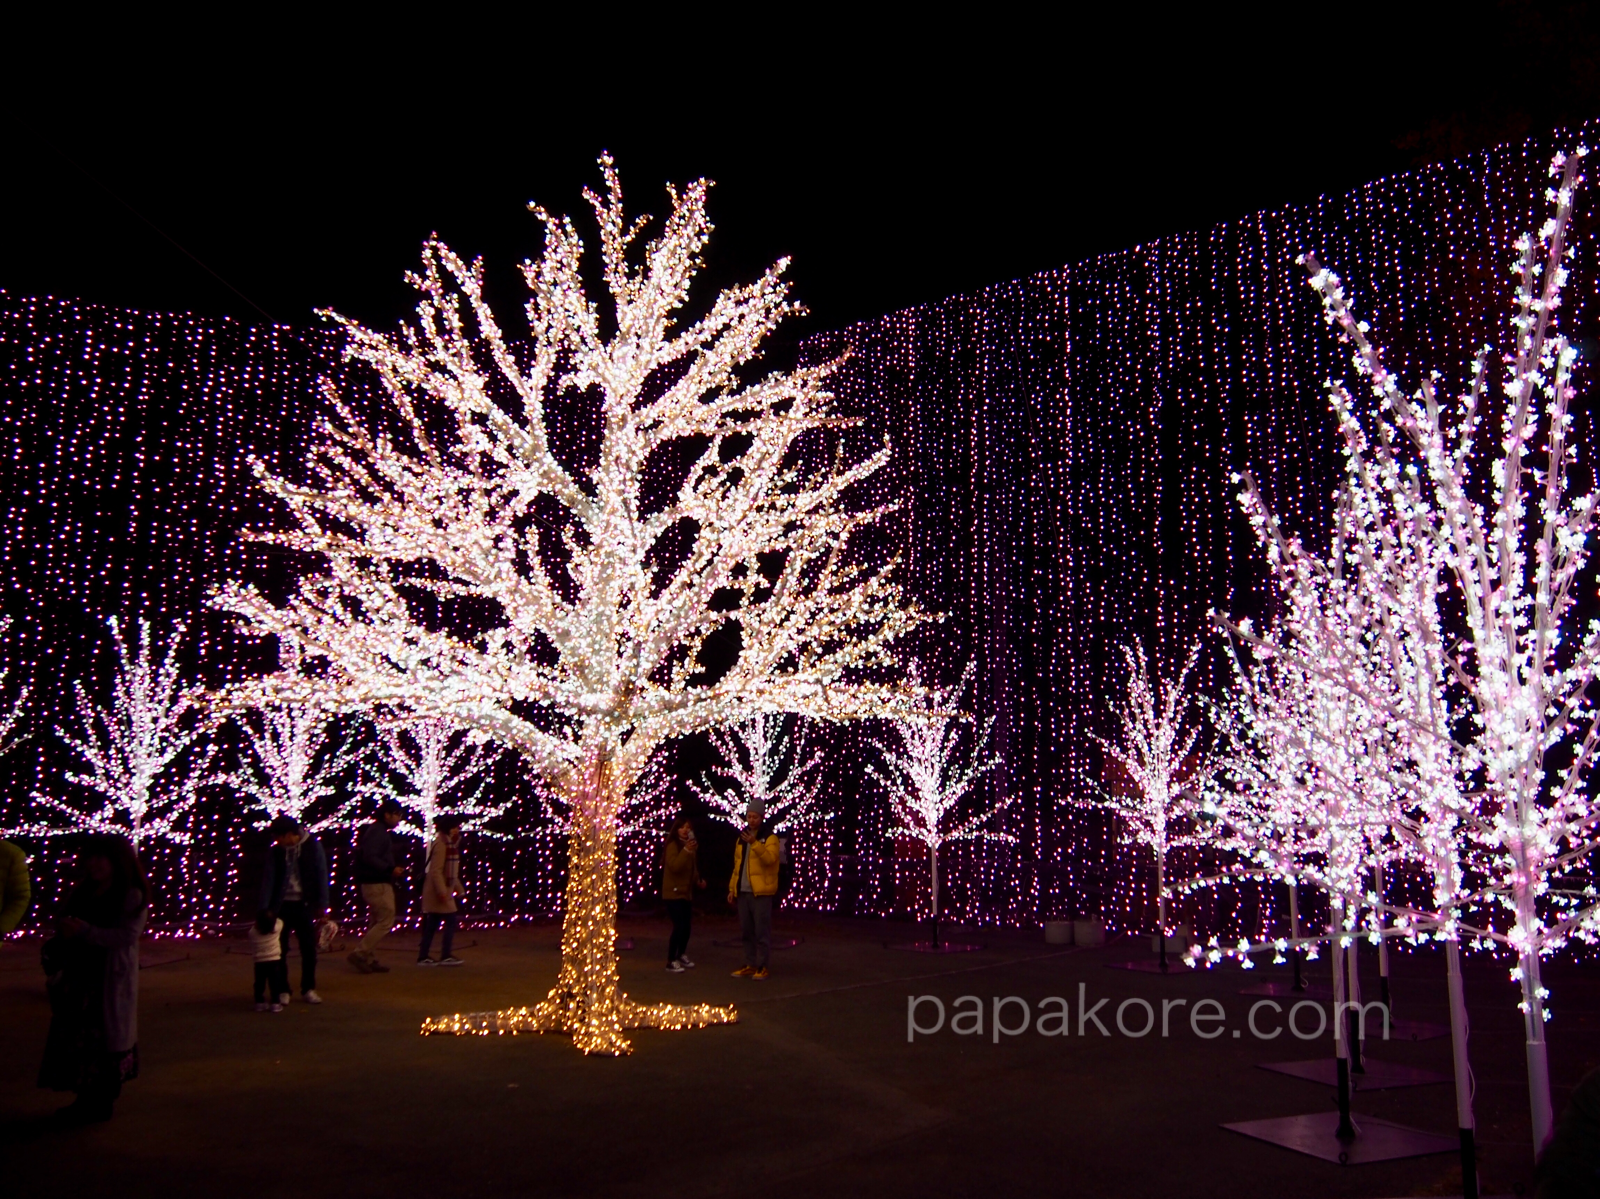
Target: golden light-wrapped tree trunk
x: 587, y: 1000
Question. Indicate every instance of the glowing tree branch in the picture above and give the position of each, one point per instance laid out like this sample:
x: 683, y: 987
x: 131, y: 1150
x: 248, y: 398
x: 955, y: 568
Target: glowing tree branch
x: 137, y: 751
x: 1161, y: 779
x: 767, y: 766
x: 927, y: 763
x: 433, y: 767
x: 470, y: 568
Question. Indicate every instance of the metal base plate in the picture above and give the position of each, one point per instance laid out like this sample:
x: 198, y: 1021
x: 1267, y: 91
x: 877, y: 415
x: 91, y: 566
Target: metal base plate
x: 1375, y: 1141
x: 1152, y: 966
x: 931, y: 947
x: 1378, y: 1076
x: 1277, y: 990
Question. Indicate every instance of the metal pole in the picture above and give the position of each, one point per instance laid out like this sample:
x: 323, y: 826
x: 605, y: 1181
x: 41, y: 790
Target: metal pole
x: 1383, y: 943
x: 1294, y: 932
x: 1341, y: 1043
x: 1353, y: 1012
x: 1161, y: 911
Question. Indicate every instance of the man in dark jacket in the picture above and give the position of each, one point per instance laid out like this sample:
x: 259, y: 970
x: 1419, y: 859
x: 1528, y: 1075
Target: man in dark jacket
x: 295, y: 887
x: 377, y: 872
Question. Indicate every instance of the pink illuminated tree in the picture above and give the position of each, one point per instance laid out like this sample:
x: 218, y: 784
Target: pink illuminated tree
x: 1159, y: 776
x: 928, y: 761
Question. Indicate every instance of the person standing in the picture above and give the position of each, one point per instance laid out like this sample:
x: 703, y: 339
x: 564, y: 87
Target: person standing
x: 272, y: 976
x: 752, y: 887
x: 441, y: 890
x: 377, y: 873
x: 92, y: 972
x: 15, y: 893
x: 294, y: 887
x: 680, y: 876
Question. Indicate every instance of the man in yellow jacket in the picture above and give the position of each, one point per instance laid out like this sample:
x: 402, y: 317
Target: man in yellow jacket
x: 753, y: 885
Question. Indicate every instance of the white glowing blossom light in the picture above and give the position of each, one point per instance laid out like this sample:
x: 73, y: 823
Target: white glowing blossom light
x: 707, y: 498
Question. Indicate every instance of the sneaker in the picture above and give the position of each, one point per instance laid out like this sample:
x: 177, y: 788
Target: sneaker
x: 261, y: 1007
x: 686, y: 963
x: 675, y: 967
x: 277, y: 1007
x: 761, y: 973
x: 313, y: 997
x: 284, y: 998
x: 452, y: 960
x: 358, y: 959
x: 426, y: 962
x: 744, y: 972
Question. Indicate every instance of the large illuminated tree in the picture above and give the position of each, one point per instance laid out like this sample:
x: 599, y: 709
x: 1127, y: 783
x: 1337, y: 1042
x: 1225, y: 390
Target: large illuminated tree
x: 538, y: 538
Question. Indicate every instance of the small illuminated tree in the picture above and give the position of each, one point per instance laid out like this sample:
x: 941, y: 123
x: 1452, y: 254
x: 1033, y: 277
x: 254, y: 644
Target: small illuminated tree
x: 1162, y: 778
x: 292, y: 763
x: 139, y: 752
x: 432, y: 766
x: 927, y: 762
x: 766, y: 765
x: 465, y: 567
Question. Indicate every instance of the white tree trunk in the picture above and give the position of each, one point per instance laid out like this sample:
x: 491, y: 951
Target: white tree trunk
x: 1458, y: 1036
x: 1541, y: 1108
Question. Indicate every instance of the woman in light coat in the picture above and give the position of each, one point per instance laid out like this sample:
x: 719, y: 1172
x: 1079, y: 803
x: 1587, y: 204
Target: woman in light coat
x: 440, y: 890
x: 92, y: 972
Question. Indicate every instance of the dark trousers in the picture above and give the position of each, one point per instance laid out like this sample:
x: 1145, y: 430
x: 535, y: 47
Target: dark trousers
x: 755, y: 923
x: 430, y: 925
x: 680, y: 911
x: 296, y: 919
x: 272, y: 980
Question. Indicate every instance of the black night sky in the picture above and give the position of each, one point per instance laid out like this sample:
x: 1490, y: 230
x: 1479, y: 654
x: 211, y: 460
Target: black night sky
x: 896, y: 165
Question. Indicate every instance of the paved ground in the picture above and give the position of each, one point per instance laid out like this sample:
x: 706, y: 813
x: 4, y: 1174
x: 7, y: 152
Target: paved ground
x: 815, y: 1091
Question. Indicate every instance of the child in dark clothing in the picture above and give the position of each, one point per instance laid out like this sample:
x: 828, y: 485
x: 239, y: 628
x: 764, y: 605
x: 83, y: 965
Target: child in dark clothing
x: 272, y: 976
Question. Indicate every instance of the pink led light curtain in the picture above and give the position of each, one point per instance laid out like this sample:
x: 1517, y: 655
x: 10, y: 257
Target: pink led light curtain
x: 1062, y: 449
